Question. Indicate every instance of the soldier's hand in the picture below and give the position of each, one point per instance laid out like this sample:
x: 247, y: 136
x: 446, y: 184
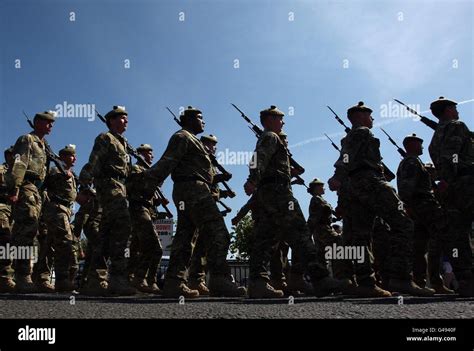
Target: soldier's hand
x: 295, y: 172
x: 234, y: 221
x: 222, y: 177
x: 13, y: 199
x: 249, y: 187
x: 442, y: 186
x: 334, y: 184
x: 164, y: 201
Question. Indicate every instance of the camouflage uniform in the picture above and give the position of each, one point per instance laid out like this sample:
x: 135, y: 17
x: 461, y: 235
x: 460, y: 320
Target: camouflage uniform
x: 381, y: 251
x: 452, y: 152
x: 5, y: 226
x: 142, y: 213
x: 190, y: 166
x: 108, y: 167
x: 280, y: 216
x: 431, y: 230
x: 27, y: 176
x: 57, y: 214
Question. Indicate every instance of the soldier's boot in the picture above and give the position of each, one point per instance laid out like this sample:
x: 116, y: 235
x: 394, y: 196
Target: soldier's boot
x: 351, y: 288
x: 408, y: 286
x: 44, y: 286
x: 141, y: 285
x: 297, y: 285
x: 120, y: 286
x: 260, y: 289
x: 466, y: 288
x: 440, y: 288
x: 327, y: 285
x: 154, y: 289
x: 24, y: 284
x: 223, y: 286
x: 370, y: 291
x: 7, y: 285
x: 94, y: 287
x: 199, y: 286
x: 64, y: 285
x: 176, y: 288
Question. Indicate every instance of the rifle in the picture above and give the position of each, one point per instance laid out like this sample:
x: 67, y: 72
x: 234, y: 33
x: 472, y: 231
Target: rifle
x: 50, y: 155
x: 133, y: 152
x: 332, y: 142
x: 258, y: 132
x: 227, y: 209
x: 425, y: 120
x: 243, y: 211
x: 214, y: 161
x: 388, y: 173
x: 399, y: 149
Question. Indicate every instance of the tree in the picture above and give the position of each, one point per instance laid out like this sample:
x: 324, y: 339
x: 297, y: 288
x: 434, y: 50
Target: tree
x: 241, y: 238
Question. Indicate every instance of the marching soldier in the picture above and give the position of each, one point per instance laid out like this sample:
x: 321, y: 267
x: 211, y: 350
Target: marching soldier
x: 7, y: 285
x: 57, y: 214
x: 452, y: 152
x: 360, y: 164
x: 142, y: 212
x: 108, y: 167
x: 193, y: 173
x: 415, y: 189
x: 26, y: 177
x: 280, y: 216
x: 319, y: 224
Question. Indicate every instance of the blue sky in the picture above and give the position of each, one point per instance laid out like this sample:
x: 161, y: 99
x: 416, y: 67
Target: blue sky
x: 298, y: 55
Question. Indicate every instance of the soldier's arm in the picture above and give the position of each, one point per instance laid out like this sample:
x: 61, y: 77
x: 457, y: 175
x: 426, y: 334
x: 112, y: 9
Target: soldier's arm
x: 21, y: 150
x: 314, y: 215
x: 266, y: 148
x: 98, y: 153
x: 456, y: 136
x: 176, y: 149
x: 350, y: 157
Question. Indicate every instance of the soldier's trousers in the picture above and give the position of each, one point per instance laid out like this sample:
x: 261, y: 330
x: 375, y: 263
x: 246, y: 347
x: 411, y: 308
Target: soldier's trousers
x: 42, y: 269
x: 281, y: 219
x: 197, y: 210
x: 381, y: 249
x: 95, y: 250
x: 57, y: 218
x: 325, y: 236
x: 459, y: 204
x: 279, y: 266
x: 5, y: 238
x: 115, y: 227
x: 197, y: 267
x: 149, y: 245
x: 26, y: 214
x: 372, y: 196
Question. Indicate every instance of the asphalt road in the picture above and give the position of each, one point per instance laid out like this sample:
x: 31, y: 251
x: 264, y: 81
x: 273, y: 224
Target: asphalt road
x: 146, y: 306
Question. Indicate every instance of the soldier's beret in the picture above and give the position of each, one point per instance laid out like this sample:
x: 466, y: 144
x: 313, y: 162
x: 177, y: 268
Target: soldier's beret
x: 360, y: 107
x: 191, y: 112
x: 46, y: 115
x: 68, y: 150
x: 438, y: 105
x: 144, y: 147
x: 116, y: 111
x: 316, y: 181
x: 209, y: 137
x: 412, y: 137
x: 272, y: 111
